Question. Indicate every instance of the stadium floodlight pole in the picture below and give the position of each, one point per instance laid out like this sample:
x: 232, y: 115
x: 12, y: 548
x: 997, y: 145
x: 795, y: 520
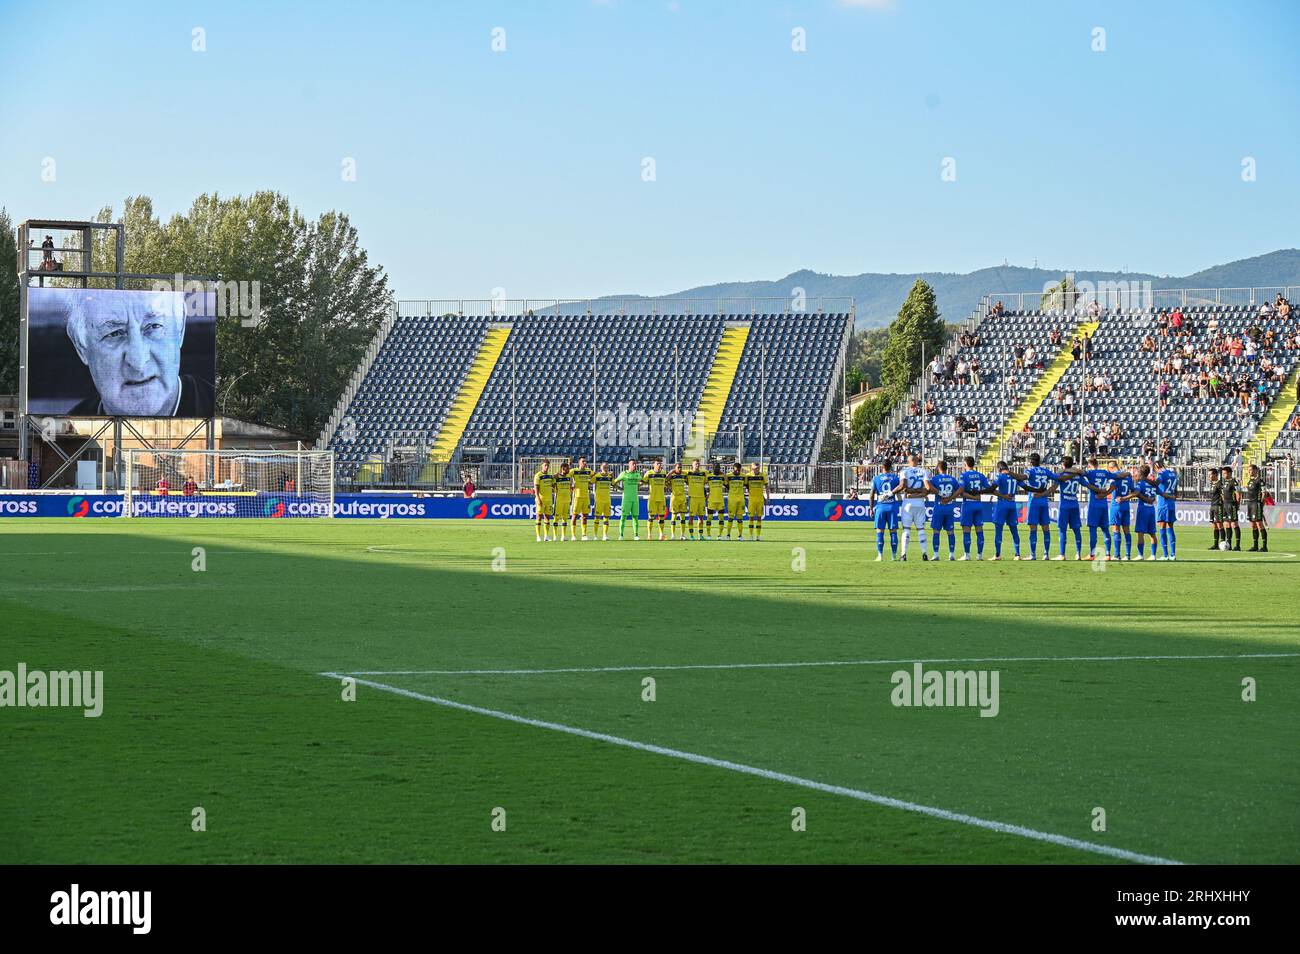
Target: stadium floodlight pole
x: 676, y: 400
x: 847, y: 420
x: 1083, y: 396
x: 593, y: 405
x: 762, y: 400
x: 925, y: 418
x: 514, y: 433
x: 1002, y: 450
x: 1159, y: 416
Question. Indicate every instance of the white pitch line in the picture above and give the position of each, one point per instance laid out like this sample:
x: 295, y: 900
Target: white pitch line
x: 804, y: 665
x: 859, y: 794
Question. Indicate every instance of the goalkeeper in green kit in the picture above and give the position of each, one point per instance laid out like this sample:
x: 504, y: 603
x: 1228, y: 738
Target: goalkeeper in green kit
x: 630, y: 481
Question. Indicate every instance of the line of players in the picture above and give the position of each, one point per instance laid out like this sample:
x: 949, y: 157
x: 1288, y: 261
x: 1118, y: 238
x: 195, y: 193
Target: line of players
x: 899, y: 498
x: 689, y: 501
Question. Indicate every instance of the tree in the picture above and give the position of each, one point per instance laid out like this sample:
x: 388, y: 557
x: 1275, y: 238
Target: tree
x: 320, y: 300
x: 865, y: 350
x: 869, y: 415
x: 8, y: 305
x: 918, y: 324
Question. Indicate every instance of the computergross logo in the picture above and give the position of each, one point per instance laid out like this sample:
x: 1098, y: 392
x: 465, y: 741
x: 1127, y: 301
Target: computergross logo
x: 478, y: 509
x: 274, y: 507
x: 832, y: 510
x: 78, y: 506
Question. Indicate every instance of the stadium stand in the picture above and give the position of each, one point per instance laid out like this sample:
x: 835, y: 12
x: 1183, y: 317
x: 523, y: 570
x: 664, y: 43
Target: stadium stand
x: 1213, y: 401
x: 455, y: 382
x: 1229, y: 376
x: 1287, y: 443
x: 991, y: 372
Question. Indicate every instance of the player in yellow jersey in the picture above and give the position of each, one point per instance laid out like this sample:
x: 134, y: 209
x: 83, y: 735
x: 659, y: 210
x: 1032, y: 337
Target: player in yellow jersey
x: 658, y: 483
x: 756, y: 484
x: 582, y: 475
x: 695, y: 483
x: 544, y: 492
x: 563, y: 499
x: 677, y: 496
x: 715, y: 500
x: 604, y: 483
x: 736, y: 501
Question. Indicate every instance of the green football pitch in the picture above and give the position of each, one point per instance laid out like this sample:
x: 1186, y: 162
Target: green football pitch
x: 638, y: 702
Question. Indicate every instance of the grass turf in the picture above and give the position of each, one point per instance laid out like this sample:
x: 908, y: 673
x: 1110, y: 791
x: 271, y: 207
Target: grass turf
x: 213, y: 697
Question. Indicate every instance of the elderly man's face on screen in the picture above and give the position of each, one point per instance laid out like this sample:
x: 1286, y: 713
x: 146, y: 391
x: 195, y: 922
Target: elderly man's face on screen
x: 132, y: 346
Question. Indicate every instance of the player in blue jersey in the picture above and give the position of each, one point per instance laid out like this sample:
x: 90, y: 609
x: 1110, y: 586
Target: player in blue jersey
x: 1166, y: 508
x: 1067, y: 515
x: 1098, y: 481
x: 1144, y: 520
x: 911, y: 509
x: 1123, y: 488
x: 1037, y: 481
x: 973, y: 486
x: 1006, y: 512
x: 883, y: 488
x: 946, y: 490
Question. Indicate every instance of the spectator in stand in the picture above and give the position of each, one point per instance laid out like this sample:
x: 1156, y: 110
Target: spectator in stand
x: 997, y: 309
x: 1094, y: 309
x: 163, y: 486
x: 930, y: 407
x: 936, y: 369
x: 469, y: 486
x: 1069, y: 402
x: 1087, y: 347
x: 1162, y: 390
x: 1149, y: 447
x: 1166, y: 448
x: 1176, y: 321
x: 189, y: 488
x: 1162, y: 324
x: 1076, y: 349
x: 1011, y: 384
x: 914, y: 408
x: 1031, y: 358
x: 1090, y: 439
x: 1054, y: 337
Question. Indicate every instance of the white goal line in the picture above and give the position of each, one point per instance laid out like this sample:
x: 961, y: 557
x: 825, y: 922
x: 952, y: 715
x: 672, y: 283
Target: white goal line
x: 807, y: 665
x: 854, y: 793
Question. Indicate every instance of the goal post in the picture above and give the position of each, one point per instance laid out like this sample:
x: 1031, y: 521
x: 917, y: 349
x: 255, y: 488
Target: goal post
x: 228, y: 483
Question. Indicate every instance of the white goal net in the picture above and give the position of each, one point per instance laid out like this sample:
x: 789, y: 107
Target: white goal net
x: 228, y: 483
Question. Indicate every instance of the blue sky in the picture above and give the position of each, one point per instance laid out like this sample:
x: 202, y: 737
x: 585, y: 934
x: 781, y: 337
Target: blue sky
x: 522, y: 169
